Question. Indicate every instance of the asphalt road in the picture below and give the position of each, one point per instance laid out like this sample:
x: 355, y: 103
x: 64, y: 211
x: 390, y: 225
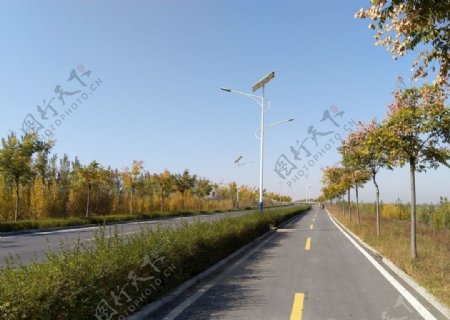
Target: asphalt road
x: 32, y: 246
x: 307, y: 270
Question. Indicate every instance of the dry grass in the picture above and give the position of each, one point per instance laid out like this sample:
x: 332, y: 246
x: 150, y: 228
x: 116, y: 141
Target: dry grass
x: 431, y: 270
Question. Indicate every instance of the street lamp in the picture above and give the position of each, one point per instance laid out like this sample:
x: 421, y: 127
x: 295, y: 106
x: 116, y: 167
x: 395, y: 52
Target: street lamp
x: 237, y: 180
x: 308, y: 187
x: 238, y: 165
x: 257, y: 132
x: 260, y: 100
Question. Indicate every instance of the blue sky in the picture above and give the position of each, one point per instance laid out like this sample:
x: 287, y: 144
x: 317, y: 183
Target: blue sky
x: 161, y: 64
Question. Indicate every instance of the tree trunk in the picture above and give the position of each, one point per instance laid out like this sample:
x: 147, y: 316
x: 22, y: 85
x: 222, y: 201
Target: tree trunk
x: 16, y: 211
x: 357, y: 203
x: 377, y: 204
x: 412, y: 174
x: 88, y: 200
x: 132, y: 200
x: 349, y: 206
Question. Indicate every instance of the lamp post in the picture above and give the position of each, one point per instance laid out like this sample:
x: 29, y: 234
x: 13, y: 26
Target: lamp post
x: 308, y: 187
x: 260, y: 100
x: 237, y: 180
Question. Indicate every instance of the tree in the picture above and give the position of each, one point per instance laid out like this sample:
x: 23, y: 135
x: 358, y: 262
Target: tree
x: 335, y: 179
x: 132, y: 178
x: 403, y: 25
x: 202, y: 188
x: 413, y: 132
x: 184, y: 182
x: 165, y: 185
x: 91, y: 176
x: 364, y: 150
x: 16, y: 160
x: 63, y: 181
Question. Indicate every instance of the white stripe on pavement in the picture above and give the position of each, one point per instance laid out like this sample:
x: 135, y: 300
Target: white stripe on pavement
x: 405, y: 293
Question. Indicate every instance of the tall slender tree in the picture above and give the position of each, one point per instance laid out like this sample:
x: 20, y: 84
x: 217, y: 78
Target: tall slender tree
x: 184, y: 182
x: 91, y: 176
x: 165, y: 185
x: 16, y: 160
x: 413, y: 135
x: 132, y: 178
x: 364, y: 150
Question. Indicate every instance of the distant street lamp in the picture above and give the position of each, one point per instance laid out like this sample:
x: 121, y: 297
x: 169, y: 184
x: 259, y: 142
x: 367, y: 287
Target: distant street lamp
x: 260, y: 100
x: 237, y: 181
x: 308, y: 187
x: 238, y: 165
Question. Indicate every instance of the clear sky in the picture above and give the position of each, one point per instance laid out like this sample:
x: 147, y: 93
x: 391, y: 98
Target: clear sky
x: 159, y: 66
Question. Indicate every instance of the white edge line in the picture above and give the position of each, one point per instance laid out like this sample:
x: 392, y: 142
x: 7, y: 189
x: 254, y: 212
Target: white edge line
x: 405, y: 277
x: 405, y: 293
x: 421, y: 290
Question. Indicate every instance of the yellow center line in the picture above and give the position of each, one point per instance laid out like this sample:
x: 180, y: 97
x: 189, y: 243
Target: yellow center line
x: 297, y: 307
x: 314, y: 219
x: 308, y: 244
x: 311, y: 227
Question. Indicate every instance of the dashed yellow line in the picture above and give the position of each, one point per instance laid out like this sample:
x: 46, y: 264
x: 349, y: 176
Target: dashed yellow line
x: 314, y: 219
x: 297, y: 307
x: 311, y: 227
x: 308, y: 244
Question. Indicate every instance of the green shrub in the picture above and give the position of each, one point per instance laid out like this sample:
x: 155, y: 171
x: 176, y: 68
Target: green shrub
x: 72, y: 284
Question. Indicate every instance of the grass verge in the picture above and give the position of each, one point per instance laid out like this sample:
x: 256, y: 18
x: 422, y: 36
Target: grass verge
x: 431, y: 270
x: 118, y: 276
x: 49, y: 223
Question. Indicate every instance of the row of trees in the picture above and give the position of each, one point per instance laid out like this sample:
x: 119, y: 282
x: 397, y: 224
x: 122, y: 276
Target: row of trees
x: 415, y: 133
x: 416, y: 130
x: 35, y: 184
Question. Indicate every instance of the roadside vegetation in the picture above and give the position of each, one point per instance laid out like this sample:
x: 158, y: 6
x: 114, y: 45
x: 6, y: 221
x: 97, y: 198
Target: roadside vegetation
x: 48, y: 223
x: 432, y: 270
x: 415, y: 133
x: 416, y: 130
x: 117, y: 276
x: 36, y: 185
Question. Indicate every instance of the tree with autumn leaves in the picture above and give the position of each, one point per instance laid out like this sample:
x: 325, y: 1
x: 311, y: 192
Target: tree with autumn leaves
x: 35, y: 184
x: 415, y: 133
x: 404, y: 25
x: 363, y: 152
x: 131, y: 179
x: 91, y: 176
x: 16, y: 161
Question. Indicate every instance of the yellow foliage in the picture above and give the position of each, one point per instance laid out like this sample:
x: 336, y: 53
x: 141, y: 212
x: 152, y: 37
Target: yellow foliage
x: 395, y: 211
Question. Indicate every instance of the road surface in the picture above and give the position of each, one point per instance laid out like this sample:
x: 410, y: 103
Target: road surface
x: 32, y: 246
x: 307, y: 270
